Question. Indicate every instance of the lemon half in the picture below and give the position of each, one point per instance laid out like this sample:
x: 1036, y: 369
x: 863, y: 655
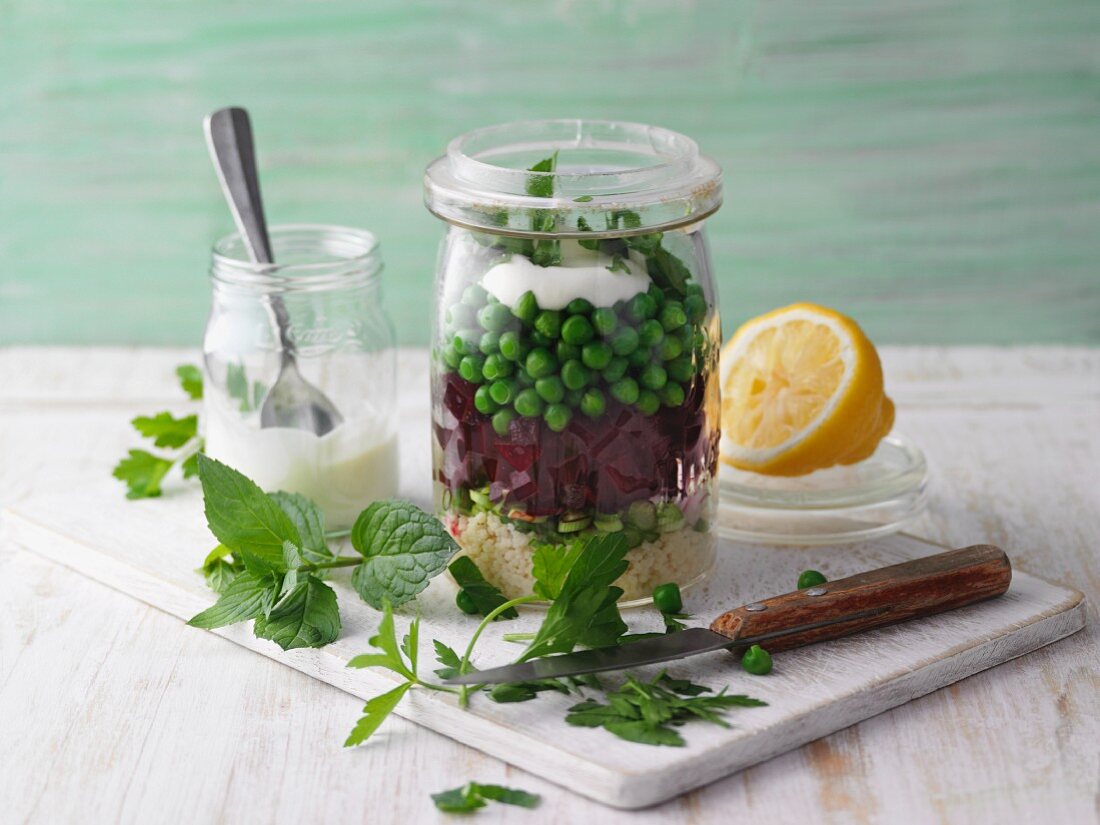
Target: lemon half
x: 802, y: 390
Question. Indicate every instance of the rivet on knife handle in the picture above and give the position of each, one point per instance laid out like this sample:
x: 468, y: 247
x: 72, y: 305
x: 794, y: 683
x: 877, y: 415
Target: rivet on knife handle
x: 921, y: 587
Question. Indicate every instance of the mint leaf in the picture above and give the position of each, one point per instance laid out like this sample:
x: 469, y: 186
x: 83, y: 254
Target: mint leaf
x: 486, y: 596
x: 246, y: 597
x: 143, y: 473
x: 241, y: 516
x: 375, y: 713
x: 542, y: 185
x: 403, y: 548
x: 190, y: 378
x: 307, y: 616
x: 550, y: 565
x: 545, y: 252
x: 645, y: 733
x: 310, y: 523
x: 166, y: 430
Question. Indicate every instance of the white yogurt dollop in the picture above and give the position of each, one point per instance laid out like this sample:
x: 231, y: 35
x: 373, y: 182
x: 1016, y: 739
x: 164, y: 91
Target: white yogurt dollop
x: 342, y: 471
x: 583, y: 273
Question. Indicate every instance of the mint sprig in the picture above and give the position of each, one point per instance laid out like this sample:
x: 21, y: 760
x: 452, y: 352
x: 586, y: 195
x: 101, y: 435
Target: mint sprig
x: 474, y: 795
x: 272, y: 556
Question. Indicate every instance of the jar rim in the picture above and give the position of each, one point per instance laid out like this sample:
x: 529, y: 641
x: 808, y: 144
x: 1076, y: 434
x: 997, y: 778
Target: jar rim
x: 483, y: 180
x: 350, y: 254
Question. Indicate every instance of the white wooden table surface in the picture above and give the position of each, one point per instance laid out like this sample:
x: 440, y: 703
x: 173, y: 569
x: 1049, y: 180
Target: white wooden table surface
x: 113, y: 711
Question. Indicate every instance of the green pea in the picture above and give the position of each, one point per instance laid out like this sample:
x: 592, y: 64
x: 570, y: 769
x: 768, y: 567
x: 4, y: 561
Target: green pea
x: 625, y: 391
x: 470, y: 368
x: 494, y: 317
x: 593, y: 403
x: 577, y: 330
x: 574, y: 375
x: 540, y: 363
x: 605, y: 320
x: 670, y: 348
x: 528, y: 404
x: 497, y: 366
x: 523, y: 378
x: 672, y: 395
x: 474, y: 295
x: 540, y: 340
x: 686, y: 334
x: 757, y: 661
x: 641, y: 307
x: 502, y: 420
x: 648, y: 402
x: 567, y: 352
x: 578, y: 306
x: 639, y: 358
x: 625, y: 341
x: 557, y: 417
x: 667, y: 598
x: 465, y: 602
x: 695, y: 288
x: 484, y: 401
x: 490, y: 343
x: 653, y: 377
x: 460, y: 316
x: 510, y: 346
x: 526, y: 308
x: 633, y: 536
x: 451, y: 356
x: 468, y: 341
x: 650, y: 333
x: 503, y: 391
x: 596, y: 355
x: 672, y: 316
x: 548, y: 323
x: 680, y: 369
x: 657, y: 294
x: 615, y: 370
x: 810, y: 578
x: 550, y: 389
x: 696, y: 308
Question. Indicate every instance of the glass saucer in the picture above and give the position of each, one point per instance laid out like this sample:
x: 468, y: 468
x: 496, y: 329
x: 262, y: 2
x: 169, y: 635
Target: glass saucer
x: 876, y: 497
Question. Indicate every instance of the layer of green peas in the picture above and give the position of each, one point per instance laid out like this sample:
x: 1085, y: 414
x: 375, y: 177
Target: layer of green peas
x: 555, y: 364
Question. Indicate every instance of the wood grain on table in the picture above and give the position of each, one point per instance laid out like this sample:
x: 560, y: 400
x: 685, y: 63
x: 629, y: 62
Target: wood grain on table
x: 114, y: 711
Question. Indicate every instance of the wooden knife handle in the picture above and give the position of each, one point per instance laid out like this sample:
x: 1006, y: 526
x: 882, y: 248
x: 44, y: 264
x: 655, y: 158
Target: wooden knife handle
x: 922, y: 587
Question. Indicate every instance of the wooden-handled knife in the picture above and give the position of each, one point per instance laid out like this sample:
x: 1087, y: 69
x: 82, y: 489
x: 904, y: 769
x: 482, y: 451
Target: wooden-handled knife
x: 888, y: 595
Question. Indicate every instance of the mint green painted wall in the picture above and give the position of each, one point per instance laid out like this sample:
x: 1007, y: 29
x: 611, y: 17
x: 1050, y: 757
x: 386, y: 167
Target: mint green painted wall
x: 931, y: 167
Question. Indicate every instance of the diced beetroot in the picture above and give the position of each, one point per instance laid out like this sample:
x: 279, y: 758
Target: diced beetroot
x: 602, y: 464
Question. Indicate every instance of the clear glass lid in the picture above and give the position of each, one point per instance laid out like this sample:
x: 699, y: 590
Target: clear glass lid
x: 598, y: 168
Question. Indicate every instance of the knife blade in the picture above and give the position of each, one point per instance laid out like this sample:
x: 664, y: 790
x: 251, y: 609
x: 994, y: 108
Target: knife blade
x: 876, y: 598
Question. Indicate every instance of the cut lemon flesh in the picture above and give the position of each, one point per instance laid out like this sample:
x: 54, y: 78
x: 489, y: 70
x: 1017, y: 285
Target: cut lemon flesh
x: 801, y: 390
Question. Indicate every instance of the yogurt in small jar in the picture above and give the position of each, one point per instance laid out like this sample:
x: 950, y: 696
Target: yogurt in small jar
x: 327, y: 278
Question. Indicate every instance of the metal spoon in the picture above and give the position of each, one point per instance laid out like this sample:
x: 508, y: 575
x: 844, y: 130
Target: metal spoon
x: 292, y: 401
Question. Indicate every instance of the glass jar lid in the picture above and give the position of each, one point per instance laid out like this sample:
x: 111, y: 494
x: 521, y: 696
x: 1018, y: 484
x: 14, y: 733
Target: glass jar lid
x: 590, y: 178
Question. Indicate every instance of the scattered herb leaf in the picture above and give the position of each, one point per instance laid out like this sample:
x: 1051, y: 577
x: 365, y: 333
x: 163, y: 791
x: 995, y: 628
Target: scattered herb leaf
x: 473, y: 795
x: 143, y: 472
x: 486, y: 596
x: 190, y: 378
x: 166, y: 430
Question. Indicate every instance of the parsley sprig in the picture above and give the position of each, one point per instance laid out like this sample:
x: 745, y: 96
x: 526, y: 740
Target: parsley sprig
x: 474, y: 795
x: 143, y: 471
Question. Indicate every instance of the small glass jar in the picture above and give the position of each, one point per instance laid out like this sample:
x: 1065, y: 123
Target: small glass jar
x: 575, y: 347
x: 328, y: 279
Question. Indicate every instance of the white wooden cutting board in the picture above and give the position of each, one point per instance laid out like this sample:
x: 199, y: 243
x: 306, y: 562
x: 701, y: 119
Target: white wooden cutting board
x: 150, y: 549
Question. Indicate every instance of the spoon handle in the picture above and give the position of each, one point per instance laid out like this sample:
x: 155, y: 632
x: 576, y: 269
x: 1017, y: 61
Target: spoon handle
x: 229, y: 138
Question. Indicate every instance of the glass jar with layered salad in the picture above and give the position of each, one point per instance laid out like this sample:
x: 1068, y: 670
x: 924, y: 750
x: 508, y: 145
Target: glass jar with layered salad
x: 575, y: 348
